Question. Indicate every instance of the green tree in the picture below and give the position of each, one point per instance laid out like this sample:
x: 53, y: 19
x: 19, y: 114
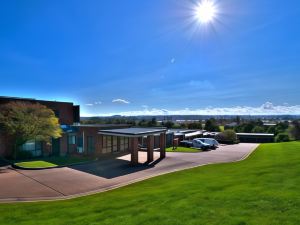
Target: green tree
x: 152, y: 122
x: 258, y: 129
x: 195, y: 125
x: 211, y: 125
x: 168, y: 124
x: 227, y: 136
x: 28, y: 121
x: 295, y: 130
x: 282, y: 137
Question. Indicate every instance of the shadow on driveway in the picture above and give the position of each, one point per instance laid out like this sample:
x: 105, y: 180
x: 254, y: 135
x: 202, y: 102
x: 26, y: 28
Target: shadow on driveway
x: 113, y: 167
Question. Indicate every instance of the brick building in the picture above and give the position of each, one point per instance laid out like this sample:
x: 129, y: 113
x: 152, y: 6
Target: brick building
x: 66, y: 112
x: 80, y: 139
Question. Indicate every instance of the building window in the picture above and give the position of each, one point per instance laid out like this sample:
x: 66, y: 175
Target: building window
x: 72, y: 139
x: 115, y: 144
x: 106, y: 144
x: 124, y: 144
x: 34, y: 147
x: 90, y: 144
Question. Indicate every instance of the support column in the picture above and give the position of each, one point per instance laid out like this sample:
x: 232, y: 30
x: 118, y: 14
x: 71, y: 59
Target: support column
x: 162, y: 143
x: 134, y: 151
x: 150, y: 148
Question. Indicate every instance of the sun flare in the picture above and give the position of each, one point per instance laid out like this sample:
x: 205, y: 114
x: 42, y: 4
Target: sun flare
x: 206, y: 11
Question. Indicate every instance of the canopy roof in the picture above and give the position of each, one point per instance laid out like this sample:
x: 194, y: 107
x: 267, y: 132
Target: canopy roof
x: 133, y: 132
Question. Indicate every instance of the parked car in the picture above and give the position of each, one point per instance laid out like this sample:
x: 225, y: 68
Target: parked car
x: 199, y: 144
x: 186, y: 143
x: 213, y: 143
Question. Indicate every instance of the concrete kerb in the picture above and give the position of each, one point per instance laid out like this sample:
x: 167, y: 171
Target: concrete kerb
x: 69, y: 197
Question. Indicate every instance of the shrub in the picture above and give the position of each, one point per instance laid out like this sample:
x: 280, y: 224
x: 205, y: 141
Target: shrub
x: 282, y: 137
x: 227, y: 136
x: 23, y: 154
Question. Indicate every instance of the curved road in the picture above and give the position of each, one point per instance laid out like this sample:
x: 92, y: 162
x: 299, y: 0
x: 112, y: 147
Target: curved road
x: 99, y: 176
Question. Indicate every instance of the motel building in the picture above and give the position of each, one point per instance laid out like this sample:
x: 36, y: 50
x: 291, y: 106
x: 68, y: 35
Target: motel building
x: 95, y: 140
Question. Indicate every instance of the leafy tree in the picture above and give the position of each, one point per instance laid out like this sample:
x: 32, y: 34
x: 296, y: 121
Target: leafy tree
x: 211, y: 125
x: 282, y: 137
x: 295, y: 130
x: 258, y: 129
x: 181, y: 125
x: 152, y: 122
x: 28, y: 121
x: 271, y: 130
x: 142, y: 123
x: 168, y: 124
x: 195, y: 125
x: 248, y: 127
x: 238, y: 120
x: 228, y: 136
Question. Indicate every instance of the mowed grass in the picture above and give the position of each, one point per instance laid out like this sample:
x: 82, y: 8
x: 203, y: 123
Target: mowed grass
x: 263, y: 189
x: 54, y: 161
x: 182, y: 149
x: 35, y: 164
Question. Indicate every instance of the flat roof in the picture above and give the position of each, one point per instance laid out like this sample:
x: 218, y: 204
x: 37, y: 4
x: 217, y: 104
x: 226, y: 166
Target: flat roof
x: 196, y: 133
x: 133, y: 132
x: 255, y: 134
x: 101, y: 125
x: 9, y: 98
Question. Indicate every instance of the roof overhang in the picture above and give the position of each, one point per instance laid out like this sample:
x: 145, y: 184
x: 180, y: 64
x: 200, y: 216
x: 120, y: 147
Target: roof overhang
x: 133, y: 132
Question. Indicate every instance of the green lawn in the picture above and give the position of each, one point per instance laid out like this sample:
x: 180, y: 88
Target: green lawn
x: 54, y: 161
x: 35, y: 164
x: 222, y: 128
x: 182, y: 149
x: 263, y: 189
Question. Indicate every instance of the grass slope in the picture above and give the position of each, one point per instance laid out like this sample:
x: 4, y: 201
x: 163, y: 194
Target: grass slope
x: 264, y: 189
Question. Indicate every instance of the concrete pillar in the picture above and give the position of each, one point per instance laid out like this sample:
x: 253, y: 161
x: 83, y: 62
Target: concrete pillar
x: 150, y: 148
x: 134, y: 151
x: 162, y: 143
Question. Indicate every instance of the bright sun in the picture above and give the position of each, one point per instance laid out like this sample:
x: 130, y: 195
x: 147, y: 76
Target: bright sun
x: 206, y: 11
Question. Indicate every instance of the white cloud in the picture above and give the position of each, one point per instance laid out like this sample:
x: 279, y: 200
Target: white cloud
x: 94, y: 104
x: 120, y: 101
x: 267, y: 108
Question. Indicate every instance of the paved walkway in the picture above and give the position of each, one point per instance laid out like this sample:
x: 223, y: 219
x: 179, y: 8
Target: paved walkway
x: 69, y: 182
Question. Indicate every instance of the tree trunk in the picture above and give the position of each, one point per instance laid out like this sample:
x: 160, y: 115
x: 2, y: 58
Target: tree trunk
x: 15, y: 151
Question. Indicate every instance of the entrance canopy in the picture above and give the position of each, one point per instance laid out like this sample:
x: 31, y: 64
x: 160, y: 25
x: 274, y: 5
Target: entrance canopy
x: 133, y: 132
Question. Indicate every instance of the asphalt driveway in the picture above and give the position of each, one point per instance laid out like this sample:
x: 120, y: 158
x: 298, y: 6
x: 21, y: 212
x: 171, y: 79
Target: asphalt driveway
x: 68, y: 182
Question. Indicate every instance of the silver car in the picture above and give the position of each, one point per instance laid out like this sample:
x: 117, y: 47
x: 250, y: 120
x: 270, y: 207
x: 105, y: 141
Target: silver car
x: 213, y: 143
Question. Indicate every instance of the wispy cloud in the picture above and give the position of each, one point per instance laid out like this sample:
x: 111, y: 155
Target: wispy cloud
x: 94, y: 104
x: 120, y: 101
x: 267, y: 108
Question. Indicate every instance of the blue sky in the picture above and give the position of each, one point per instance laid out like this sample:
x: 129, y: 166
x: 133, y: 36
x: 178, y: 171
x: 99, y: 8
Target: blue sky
x: 152, y: 56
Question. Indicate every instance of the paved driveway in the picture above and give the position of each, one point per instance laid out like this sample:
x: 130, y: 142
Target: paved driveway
x: 68, y: 182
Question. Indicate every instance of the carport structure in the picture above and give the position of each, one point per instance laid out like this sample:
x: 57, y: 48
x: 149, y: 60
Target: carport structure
x: 134, y: 134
